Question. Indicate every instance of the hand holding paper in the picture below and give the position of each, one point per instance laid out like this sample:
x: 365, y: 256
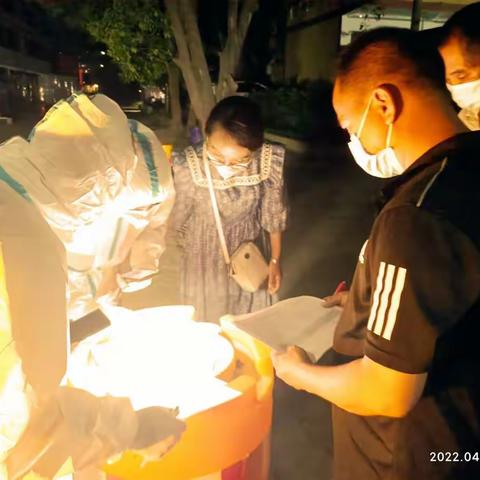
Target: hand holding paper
x: 285, y: 364
x: 302, y: 321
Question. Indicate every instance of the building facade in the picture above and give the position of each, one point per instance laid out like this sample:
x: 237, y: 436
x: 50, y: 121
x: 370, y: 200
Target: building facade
x: 313, y: 37
x: 31, y: 75
x: 318, y: 29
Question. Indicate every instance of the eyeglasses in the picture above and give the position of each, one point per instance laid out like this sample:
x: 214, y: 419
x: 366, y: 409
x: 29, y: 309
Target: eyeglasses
x: 216, y: 157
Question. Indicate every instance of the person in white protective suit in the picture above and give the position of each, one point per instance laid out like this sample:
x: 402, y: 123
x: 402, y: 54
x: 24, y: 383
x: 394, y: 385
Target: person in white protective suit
x: 106, y: 191
x: 42, y: 423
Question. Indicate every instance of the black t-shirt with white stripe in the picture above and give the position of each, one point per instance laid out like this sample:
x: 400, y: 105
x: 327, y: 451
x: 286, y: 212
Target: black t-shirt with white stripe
x: 414, y: 307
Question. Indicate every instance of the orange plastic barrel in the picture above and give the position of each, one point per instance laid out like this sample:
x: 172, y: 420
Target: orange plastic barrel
x: 227, y: 442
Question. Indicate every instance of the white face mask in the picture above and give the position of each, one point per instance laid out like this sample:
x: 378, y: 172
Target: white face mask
x: 466, y: 95
x: 227, y: 171
x: 383, y: 164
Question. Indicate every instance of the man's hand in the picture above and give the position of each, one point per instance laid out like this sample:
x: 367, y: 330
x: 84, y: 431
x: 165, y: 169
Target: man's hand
x: 287, y: 364
x: 337, y: 299
x: 274, y: 278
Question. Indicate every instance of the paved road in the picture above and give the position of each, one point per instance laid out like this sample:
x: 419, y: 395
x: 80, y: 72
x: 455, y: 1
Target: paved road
x: 21, y: 126
x: 331, y: 214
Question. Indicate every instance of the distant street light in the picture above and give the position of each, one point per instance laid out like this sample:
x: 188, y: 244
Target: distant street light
x: 102, y: 52
x: 102, y: 65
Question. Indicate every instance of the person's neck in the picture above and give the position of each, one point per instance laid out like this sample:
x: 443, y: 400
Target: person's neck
x: 433, y: 129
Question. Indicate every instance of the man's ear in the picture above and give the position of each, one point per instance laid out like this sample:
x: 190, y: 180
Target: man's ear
x: 387, y: 102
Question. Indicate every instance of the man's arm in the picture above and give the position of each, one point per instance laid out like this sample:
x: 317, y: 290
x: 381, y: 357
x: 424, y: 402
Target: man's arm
x: 426, y: 277
x: 362, y: 387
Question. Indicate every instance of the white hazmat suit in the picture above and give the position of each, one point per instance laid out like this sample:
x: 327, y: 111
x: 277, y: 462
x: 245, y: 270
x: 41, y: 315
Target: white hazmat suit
x: 104, y: 185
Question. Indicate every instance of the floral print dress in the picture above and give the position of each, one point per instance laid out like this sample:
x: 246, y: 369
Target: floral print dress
x: 251, y: 205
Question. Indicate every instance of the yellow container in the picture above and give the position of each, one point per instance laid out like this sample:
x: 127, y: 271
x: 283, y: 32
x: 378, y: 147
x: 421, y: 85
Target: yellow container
x: 168, y: 151
x: 227, y: 442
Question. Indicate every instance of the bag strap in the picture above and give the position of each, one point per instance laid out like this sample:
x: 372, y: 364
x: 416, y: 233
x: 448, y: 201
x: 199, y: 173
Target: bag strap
x: 216, y: 213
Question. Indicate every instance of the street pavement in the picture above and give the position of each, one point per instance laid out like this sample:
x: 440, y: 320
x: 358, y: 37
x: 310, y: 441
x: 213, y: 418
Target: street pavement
x: 331, y: 214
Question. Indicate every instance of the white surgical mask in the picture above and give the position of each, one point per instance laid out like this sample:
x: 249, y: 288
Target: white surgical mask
x: 467, y: 97
x: 227, y: 171
x: 383, y: 164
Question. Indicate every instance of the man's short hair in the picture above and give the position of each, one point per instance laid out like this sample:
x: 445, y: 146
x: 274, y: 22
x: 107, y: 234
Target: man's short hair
x: 466, y: 24
x: 391, y: 55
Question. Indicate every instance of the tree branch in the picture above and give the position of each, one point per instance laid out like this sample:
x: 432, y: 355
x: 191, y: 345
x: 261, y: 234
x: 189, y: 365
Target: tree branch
x: 232, y: 17
x: 183, y: 59
x: 197, y: 55
x: 191, y: 57
x: 230, y: 55
x: 248, y: 9
x: 178, y: 32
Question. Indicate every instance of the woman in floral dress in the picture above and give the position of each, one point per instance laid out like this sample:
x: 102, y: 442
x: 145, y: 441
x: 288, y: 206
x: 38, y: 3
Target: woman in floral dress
x: 248, y: 181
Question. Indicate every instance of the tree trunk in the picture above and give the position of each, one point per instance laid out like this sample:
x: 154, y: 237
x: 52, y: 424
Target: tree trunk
x: 191, y: 119
x: 174, y: 96
x: 238, y: 23
x: 191, y: 57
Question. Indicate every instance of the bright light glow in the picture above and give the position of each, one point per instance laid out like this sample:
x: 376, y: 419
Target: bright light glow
x: 41, y: 92
x: 156, y: 357
x: 13, y: 410
x: 136, y: 286
x: 139, y: 90
x: 102, y: 52
x: 102, y: 65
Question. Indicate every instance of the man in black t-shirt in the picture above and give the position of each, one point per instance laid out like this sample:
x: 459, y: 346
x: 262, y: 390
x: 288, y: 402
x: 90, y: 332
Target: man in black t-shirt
x: 406, y: 399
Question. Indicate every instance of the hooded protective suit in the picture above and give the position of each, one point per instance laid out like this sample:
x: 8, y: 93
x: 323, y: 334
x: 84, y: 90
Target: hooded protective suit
x: 33, y: 327
x: 68, y: 174
x: 104, y: 185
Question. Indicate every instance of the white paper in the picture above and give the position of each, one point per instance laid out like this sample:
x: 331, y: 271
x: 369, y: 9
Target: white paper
x: 303, y: 321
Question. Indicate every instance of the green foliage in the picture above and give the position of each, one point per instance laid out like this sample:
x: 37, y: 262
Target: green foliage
x: 136, y: 34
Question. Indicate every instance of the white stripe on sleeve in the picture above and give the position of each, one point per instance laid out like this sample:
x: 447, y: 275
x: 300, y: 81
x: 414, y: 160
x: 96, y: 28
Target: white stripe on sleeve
x: 382, y: 311
x: 395, y: 304
x: 376, y: 295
